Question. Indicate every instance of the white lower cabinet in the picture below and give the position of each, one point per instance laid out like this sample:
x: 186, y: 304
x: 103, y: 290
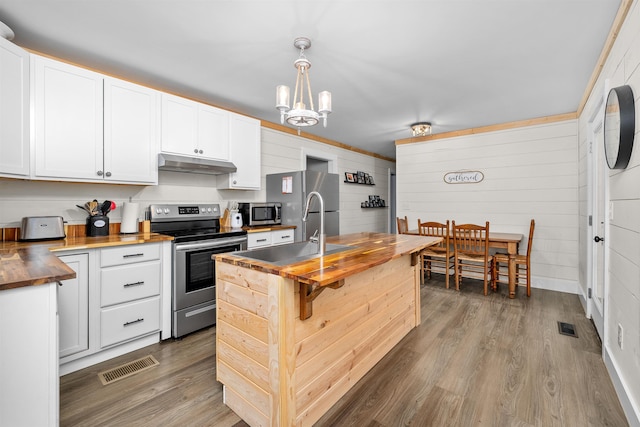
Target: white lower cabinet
x: 269, y: 238
x: 113, y: 306
x: 73, y: 308
x: 127, y: 321
x: 28, y: 356
x: 258, y: 240
x: 282, y: 237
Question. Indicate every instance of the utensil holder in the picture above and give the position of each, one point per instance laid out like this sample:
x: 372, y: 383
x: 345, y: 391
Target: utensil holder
x: 97, y: 225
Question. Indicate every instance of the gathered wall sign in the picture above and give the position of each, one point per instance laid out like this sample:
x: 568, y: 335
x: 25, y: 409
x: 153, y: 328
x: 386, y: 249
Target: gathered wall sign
x: 463, y: 177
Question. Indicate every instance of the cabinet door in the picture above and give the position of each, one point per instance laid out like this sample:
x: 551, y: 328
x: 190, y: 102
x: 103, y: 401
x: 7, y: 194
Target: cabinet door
x: 73, y: 307
x: 213, y: 132
x: 244, y: 146
x: 14, y: 110
x: 68, y: 121
x: 179, y: 125
x: 131, y: 118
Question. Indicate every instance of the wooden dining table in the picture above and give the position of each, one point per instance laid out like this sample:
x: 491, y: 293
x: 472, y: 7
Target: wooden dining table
x: 508, y: 241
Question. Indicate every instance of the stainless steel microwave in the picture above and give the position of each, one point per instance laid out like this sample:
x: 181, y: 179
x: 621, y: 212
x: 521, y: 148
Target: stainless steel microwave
x: 260, y: 213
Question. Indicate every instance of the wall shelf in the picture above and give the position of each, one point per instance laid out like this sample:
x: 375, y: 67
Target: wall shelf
x: 357, y: 183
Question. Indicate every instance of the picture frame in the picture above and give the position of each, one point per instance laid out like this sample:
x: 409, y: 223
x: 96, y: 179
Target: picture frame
x: 349, y: 177
x: 360, y: 177
x: 371, y: 180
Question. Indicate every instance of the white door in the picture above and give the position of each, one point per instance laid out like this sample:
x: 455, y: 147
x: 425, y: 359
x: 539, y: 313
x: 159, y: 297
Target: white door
x: 599, y: 223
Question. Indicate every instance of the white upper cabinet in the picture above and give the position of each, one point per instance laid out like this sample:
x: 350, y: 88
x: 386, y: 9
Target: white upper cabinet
x: 92, y: 128
x: 244, y: 148
x: 131, y: 132
x: 14, y: 110
x: 68, y: 121
x: 194, y: 129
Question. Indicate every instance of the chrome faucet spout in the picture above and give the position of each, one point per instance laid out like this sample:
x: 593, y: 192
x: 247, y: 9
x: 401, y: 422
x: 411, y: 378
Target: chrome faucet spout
x: 322, y: 243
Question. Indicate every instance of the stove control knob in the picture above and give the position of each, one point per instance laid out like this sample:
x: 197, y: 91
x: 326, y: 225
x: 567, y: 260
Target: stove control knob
x: 209, y: 210
x: 158, y: 211
x: 203, y: 210
x: 166, y: 211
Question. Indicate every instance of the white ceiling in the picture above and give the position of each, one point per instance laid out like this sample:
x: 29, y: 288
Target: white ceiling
x: 388, y: 63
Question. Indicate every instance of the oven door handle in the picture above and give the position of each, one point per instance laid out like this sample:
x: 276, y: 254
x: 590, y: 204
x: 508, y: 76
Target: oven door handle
x: 210, y: 243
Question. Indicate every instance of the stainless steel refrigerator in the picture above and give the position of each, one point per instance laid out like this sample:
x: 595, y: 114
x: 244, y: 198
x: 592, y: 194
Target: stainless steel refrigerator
x: 291, y: 189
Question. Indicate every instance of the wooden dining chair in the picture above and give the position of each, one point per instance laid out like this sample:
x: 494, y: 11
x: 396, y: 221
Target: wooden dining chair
x: 439, y: 255
x: 471, y: 253
x: 523, y: 265
x: 403, y: 225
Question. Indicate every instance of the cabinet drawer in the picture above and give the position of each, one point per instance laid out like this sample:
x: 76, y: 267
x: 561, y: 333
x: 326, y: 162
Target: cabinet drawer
x: 281, y: 237
x: 129, y: 254
x: 129, y: 283
x: 127, y: 321
x: 257, y: 240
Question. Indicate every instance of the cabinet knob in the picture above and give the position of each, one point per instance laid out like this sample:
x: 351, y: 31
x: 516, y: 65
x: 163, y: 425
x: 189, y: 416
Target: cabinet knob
x: 235, y: 182
x: 195, y: 150
x: 99, y: 173
x: 200, y: 152
x: 108, y: 174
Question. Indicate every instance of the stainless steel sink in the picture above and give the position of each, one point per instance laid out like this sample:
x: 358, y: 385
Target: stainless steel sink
x: 290, y: 253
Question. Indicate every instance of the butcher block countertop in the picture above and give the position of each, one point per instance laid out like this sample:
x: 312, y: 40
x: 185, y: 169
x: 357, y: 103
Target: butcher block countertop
x: 369, y: 250
x: 34, y: 263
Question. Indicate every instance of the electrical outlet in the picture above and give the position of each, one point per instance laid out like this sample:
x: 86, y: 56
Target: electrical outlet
x: 620, y: 336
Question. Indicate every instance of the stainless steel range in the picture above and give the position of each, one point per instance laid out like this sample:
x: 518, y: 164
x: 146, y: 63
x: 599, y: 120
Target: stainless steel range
x: 197, y: 236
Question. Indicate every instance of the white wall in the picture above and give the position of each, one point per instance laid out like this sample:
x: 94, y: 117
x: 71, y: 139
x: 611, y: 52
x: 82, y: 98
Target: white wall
x: 281, y: 152
x: 623, y: 292
x: 529, y: 172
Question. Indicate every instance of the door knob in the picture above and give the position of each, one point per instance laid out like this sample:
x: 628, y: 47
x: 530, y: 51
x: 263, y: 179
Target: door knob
x: 598, y: 239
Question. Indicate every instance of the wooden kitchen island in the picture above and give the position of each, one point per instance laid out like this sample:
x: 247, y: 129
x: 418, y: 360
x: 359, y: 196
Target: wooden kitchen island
x: 280, y: 370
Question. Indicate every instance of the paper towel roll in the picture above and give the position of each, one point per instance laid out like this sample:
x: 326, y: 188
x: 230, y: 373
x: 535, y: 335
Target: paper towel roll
x: 129, y: 222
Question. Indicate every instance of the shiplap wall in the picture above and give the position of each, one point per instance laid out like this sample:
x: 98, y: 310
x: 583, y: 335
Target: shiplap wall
x: 281, y: 152
x: 622, y: 306
x: 529, y: 172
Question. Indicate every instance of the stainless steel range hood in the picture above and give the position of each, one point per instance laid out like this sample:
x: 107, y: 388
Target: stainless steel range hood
x: 177, y: 163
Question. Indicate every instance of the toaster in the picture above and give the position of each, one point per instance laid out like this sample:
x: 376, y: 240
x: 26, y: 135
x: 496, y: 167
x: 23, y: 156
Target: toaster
x: 35, y: 228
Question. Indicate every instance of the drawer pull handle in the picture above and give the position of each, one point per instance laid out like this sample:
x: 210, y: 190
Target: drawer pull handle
x: 131, y: 255
x: 261, y: 240
x: 285, y: 237
x: 126, y: 285
x: 133, y: 321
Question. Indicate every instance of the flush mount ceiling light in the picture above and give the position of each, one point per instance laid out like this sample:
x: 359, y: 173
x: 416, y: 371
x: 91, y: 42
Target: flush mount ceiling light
x: 421, y: 129
x: 300, y: 115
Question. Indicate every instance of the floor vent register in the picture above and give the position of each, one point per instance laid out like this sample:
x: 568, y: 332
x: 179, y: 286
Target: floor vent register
x: 567, y: 329
x: 126, y: 370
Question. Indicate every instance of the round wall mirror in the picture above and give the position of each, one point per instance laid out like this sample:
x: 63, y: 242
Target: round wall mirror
x: 619, y: 127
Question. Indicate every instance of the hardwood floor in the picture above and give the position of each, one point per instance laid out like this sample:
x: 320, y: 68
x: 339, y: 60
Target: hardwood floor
x: 474, y: 360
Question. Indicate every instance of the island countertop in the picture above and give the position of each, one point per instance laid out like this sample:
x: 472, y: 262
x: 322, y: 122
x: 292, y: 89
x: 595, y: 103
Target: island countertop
x: 369, y: 250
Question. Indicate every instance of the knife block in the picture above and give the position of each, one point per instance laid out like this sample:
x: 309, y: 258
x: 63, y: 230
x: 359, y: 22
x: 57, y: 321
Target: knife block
x: 97, y: 225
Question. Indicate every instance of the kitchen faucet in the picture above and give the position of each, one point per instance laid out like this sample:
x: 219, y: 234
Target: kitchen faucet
x: 321, y: 239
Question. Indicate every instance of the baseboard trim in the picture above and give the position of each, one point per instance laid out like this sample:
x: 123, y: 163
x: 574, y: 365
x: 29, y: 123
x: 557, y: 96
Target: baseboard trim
x: 632, y: 413
x: 559, y: 285
x: 107, y: 354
